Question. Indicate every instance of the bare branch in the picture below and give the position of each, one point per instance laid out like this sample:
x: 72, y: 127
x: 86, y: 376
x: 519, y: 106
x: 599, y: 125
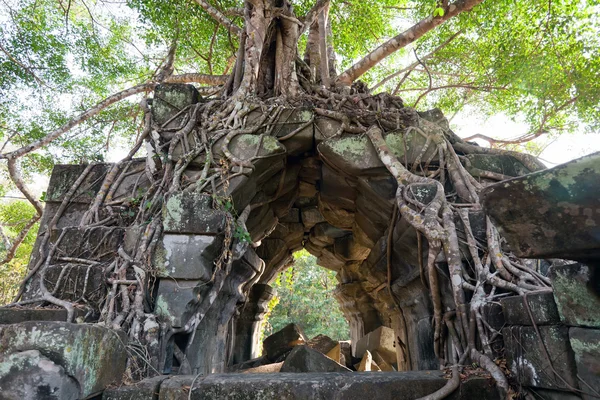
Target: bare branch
x: 12, y: 250
x: 23, y: 66
x: 541, y: 130
x: 416, y: 63
x: 403, y: 39
x: 219, y: 17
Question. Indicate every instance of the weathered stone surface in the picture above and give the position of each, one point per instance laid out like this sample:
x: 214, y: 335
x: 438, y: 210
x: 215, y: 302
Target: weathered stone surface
x: 96, y: 243
x: 93, y: 355
x: 380, y: 340
x: 586, y: 346
x: 295, y: 120
x: 327, y: 259
x: 528, y: 362
x: 320, y: 386
x: 282, y: 341
x: 322, y: 343
x: 550, y: 214
x: 169, y: 99
x: 349, y: 249
x: 28, y: 375
x: 542, y: 307
x: 191, y: 212
x: 357, y: 156
x: 185, y: 256
x: 499, y: 164
x: 311, y: 216
x: 16, y: 315
x: 64, y: 176
x: 577, y: 294
x: 336, y: 215
x: 175, y: 298
x: 305, y: 359
x: 293, y: 216
x: 144, y: 390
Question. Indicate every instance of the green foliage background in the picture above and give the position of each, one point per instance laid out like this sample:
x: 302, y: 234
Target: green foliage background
x: 305, y: 297
x: 13, y: 216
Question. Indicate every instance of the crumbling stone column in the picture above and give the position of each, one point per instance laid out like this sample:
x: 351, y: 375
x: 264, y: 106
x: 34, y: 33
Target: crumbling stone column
x: 249, y: 323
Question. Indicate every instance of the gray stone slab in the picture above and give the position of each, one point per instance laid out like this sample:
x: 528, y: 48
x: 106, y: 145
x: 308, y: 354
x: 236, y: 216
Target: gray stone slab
x: 550, y: 214
x: 320, y: 386
x: 148, y: 389
x: 187, y: 256
x: 586, y: 346
x: 192, y: 212
x: 93, y: 355
x: 577, y: 294
x: 169, y: 99
x: 526, y: 358
x: 16, y: 315
x: 542, y: 307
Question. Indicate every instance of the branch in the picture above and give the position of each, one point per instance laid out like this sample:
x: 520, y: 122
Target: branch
x: 403, y: 39
x: 312, y: 14
x: 528, y: 136
x: 204, y: 79
x: 17, y: 178
x: 416, y: 63
x: 23, y: 66
x: 12, y: 250
x: 78, y: 120
x: 219, y: 17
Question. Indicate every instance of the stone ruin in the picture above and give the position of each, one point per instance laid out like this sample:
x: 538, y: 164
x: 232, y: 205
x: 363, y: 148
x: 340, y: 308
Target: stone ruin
x: 308, y: 188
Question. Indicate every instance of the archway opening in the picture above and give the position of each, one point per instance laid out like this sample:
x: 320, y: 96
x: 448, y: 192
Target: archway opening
x: 305, y: 297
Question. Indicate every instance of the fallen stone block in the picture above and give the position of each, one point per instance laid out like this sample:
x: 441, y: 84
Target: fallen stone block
x: 28, y: 375
x: 305, y: 359
x: 381, y: 362
x: 283, y: 341
x: 336, y: 355
x: 322, y: 343
x: 93, y: 355
x: 366, y: 364
x: 586, y: 346
x: 542, y: 307
x: 576, y: 294
x: 527, y: 360
x: 381, y: 339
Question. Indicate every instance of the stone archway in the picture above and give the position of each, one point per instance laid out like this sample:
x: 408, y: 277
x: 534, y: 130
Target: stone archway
x: 299, y: 182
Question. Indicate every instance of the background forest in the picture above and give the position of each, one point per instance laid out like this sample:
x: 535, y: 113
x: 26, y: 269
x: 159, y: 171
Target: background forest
x: 305, y: 297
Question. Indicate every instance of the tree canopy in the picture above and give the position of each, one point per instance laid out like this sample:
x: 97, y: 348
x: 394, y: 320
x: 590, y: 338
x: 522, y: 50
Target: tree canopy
x: 72, y: 72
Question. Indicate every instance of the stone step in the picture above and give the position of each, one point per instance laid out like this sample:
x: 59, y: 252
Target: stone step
x: 317, y: 386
